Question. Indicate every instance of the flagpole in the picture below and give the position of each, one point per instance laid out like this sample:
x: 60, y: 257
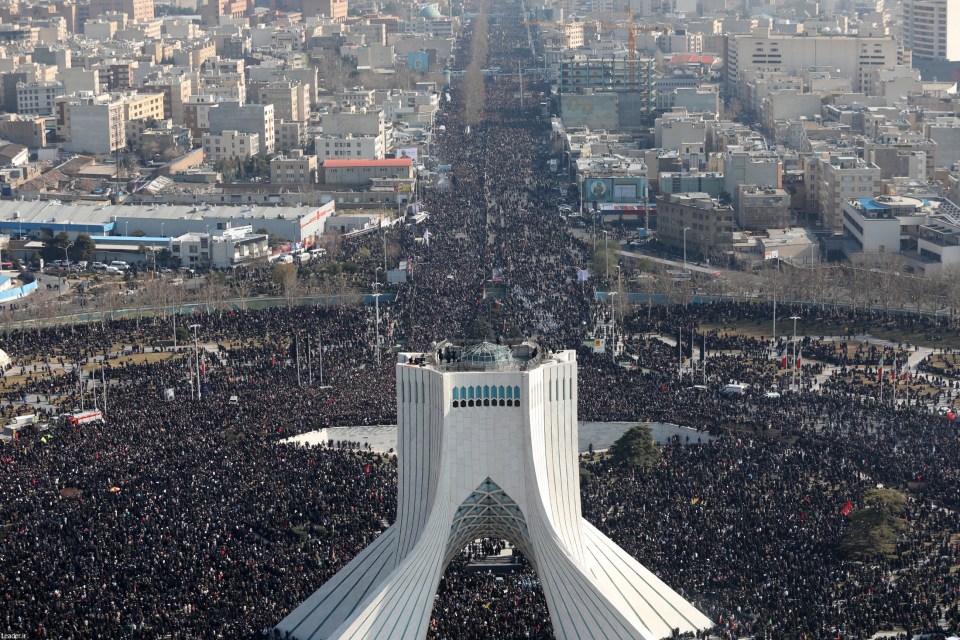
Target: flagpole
x: 881, y: 378
x: 895, y: 363
x: 320, y: 343
x: 680, y: 353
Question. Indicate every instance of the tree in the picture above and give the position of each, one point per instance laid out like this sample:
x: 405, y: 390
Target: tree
x: 53, y: 246
x: 285, y: 276
x: 84, y: 248
x: 636, y: 448
x: 604, y: 262
x: 874, y: 529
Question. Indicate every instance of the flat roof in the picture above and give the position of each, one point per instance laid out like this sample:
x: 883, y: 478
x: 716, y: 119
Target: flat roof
x: 387, y: 162
x: 54, y: 213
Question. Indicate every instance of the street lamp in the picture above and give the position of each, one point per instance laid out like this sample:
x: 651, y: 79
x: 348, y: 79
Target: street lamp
x: 606, y: 252
x: 793, y: 383
x: 196, y: 346
x: 685, y: 229
x: 63, y: 271
x: 376, y: 299
x: 613, y: 315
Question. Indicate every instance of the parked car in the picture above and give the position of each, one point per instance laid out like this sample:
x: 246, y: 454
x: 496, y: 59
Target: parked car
x: 112, y: 270
x: 98, y: 266
x: 120, y: 265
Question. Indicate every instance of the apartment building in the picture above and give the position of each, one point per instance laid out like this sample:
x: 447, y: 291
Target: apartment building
x: 250, y: 118
x: 38, y: 98
x: 290, y: 100
x: 842, y: 178
x: 136, y: 10
x: 349, y: 146
x: 296, y: 168
x: 931, y: 29
x: 708, y: 224
x: 230, y: 145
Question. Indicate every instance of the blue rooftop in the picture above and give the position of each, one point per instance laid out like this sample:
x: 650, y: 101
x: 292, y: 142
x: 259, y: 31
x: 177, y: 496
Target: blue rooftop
x: 129, y: 239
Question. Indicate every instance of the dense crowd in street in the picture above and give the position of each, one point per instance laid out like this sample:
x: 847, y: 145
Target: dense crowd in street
x: 190, y: 519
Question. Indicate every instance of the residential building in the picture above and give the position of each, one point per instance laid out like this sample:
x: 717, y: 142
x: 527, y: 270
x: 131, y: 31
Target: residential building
x: 142, y: 106
x: 91, y: 124
x: 757, y: 167
x: 290, y: 135
x: 931, y: 29
x: 176, y: 92
x: 28, y: 131
x: 295, y: 168
x: 762, y: 208
x: 136, y: 10
x: 945, y: 131
x: 250, y: 118
x: 349, y: 146
x: 708, y: 224
x: 38, y: 98
x: 230, y: 145
x: 196, y: 113
x: 710, y: 183
x: 842, y: 178
x: 365, y: 173
x: 290, y: 100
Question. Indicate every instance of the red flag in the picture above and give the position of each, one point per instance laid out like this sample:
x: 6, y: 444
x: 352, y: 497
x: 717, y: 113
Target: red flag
x: 880, y: 373
x: 783, y: 364
x: 797, y: 364
x: 847, y: 508
x: 367, y: 470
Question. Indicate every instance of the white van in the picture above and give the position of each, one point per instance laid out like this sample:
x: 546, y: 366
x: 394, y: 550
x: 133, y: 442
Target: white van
x: 119, y: 265
x: 735, y: 389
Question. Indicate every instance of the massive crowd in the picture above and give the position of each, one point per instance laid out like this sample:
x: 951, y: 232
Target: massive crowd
x: 190, y: 519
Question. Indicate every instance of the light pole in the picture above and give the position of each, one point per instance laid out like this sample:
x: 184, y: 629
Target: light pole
x: 606, y: 253
x: 196, y: 346
x: 376, y: 300
x: 793, y: 383
x: 161, y: 230
x: 63, y: 273
x: 613, y: 312
x: 685, y: 229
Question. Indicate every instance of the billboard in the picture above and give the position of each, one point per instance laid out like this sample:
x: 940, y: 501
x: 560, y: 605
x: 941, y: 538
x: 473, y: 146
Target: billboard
x: 408, y: 152
x: 615, y: 189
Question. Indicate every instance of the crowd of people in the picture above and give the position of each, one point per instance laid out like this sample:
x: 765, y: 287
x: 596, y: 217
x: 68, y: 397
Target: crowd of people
x: 190, y: 518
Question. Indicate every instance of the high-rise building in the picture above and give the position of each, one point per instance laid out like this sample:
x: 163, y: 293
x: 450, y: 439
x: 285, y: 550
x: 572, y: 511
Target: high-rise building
x: 487, y: 447
x: 931, y: 29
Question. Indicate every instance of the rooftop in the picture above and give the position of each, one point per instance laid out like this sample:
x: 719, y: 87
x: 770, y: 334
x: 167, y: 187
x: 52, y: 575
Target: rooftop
x: 388, y: 162
x: 479, y: 355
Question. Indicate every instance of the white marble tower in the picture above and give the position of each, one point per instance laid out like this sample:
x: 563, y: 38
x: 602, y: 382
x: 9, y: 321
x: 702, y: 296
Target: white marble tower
x: 487, y: 447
